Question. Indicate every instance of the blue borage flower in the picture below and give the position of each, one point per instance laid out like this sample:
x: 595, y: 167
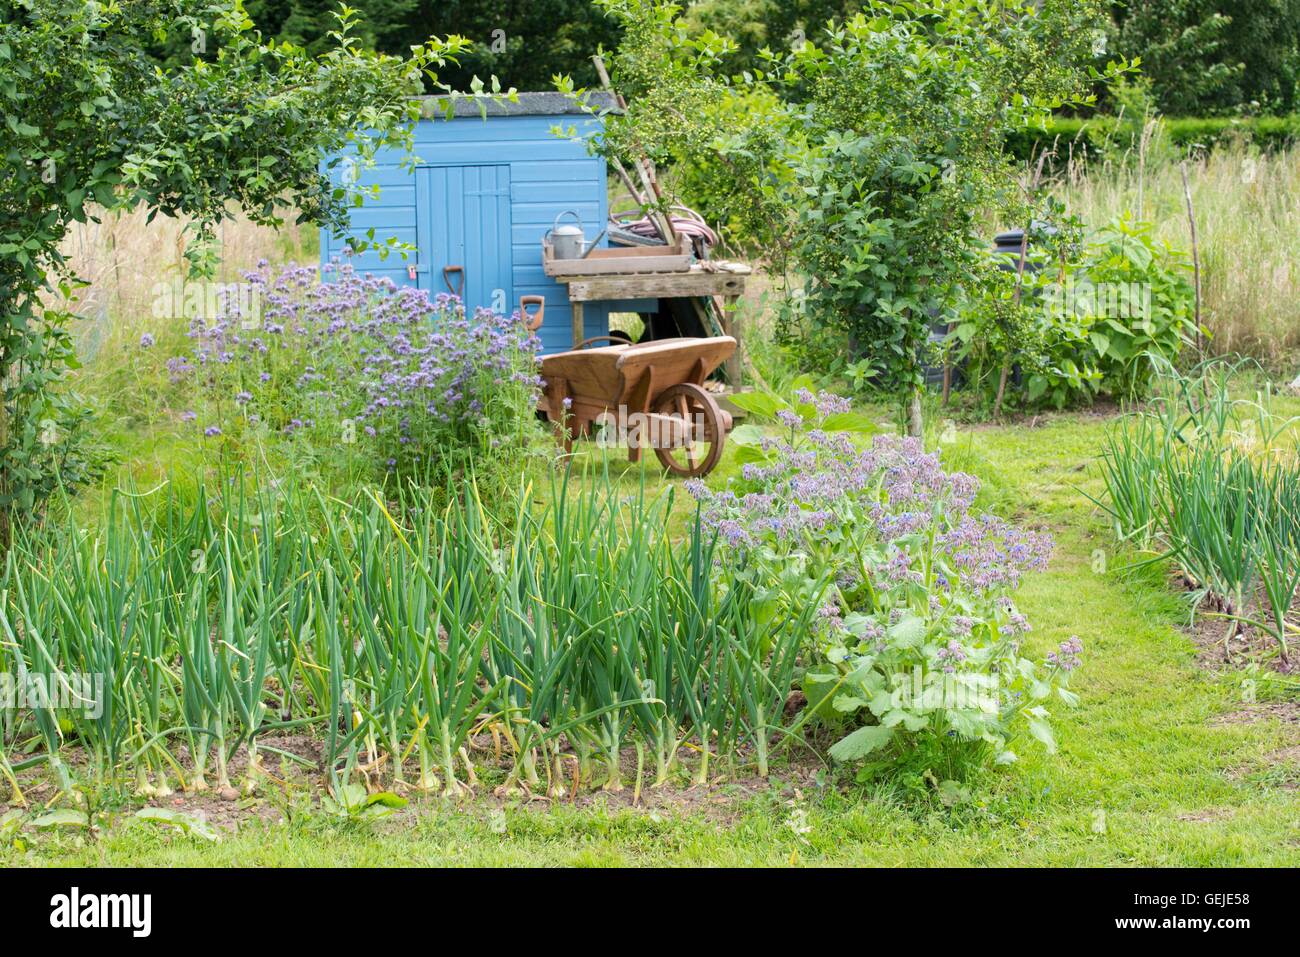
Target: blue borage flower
x: 921, y: 582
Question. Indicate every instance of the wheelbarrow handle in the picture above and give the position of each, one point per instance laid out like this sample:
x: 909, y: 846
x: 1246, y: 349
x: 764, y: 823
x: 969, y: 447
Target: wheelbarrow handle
x: 446, y: 277
x: 532, y: 322
x: 616, y: 340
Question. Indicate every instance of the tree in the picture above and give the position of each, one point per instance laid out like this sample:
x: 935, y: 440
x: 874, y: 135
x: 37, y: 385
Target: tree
x: 873, y: 152
x: 524, y: 42
x: 1214, y: 56
x: 92, y: 121
x: 387, y: 24
x: 755, y: 24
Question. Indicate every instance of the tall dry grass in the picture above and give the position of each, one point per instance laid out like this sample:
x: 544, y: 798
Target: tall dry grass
x: 123, y: 257
x: 1248, y: 226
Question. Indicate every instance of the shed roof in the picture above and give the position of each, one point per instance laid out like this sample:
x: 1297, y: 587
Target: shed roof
x: 530, y: 104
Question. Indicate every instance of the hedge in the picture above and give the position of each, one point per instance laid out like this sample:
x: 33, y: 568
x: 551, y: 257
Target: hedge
x: 1103, y: 134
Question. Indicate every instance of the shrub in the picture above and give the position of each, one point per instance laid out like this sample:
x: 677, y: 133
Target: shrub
x: 1247, y: 204
x: 381, y: 372
x: 919, y: 642
x: 1151, y: 288
x: 1095, y: 321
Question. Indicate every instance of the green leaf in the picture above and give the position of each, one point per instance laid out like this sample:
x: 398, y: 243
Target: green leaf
x: 62, y: 817
x: 750, y: 453
x: 817, y: 688
x: 861, y: 743
x: 10, y: 822
x: 908, y: 719
x: 746, y: 435
x: 857, y: 623
x: 386, y: 799
x: 858, y: 422
x: 1041, y: 730
x: 951, y: 793
x: 882, y: 702
x: 762, y: 404
x: 351, y: 796
x: 188, y: 823
x: 908, y: 632
x: 847, y: 703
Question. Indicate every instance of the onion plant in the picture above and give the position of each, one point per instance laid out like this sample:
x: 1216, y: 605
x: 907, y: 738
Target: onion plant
x: 1130, y: 464
x: 1210, y: 513
x: 420, y: 606
x: 764, y: 657
x: 1211, y: 479
x: 395, y: 630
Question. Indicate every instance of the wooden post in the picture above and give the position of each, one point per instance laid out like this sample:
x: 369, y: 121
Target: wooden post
x: 1015, y: 296
x: 1196, y: 262
x: 730, y: 327
x: 579, y: 328
x: 627, y: 181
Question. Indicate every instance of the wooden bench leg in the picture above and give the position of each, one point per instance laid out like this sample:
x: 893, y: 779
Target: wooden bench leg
x: 731, y: 328
x: 579, y: 325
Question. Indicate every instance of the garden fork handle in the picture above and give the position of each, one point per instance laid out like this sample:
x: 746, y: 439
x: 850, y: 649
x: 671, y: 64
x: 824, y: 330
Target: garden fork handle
x: 532, y: 322
x: 446, y: 277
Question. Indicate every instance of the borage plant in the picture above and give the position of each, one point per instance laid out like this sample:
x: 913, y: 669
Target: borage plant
x: 919, y: 642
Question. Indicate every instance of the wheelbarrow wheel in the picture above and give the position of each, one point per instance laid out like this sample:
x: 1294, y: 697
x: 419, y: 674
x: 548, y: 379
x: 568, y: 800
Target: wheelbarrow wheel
x: 695, y: 445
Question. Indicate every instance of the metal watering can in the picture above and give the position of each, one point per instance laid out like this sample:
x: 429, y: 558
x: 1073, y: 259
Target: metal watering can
x: 569, y: 241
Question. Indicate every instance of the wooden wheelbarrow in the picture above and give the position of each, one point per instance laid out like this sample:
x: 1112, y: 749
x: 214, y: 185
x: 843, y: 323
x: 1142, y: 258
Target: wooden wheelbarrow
x: 651, y: 394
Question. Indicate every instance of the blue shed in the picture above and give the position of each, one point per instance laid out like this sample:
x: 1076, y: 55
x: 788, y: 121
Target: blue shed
x: 482, y: 195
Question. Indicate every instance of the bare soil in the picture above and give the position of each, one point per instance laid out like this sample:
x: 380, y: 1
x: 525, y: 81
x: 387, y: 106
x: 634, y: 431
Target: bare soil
x: 1224, y: 643
x: 1285, y: 711
x: 285, y: 783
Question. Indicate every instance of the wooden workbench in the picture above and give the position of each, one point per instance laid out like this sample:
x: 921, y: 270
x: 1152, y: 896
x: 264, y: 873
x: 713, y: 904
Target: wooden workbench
x: 722, y: 279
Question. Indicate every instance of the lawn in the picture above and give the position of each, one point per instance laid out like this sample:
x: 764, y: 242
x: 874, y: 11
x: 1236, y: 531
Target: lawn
x: 1165, y: 761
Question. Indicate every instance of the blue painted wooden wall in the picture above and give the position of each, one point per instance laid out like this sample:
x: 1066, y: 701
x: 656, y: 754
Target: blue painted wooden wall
x: 482, y: 195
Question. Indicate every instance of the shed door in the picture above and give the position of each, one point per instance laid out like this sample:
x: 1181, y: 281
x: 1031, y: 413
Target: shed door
x: 463, y: 219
